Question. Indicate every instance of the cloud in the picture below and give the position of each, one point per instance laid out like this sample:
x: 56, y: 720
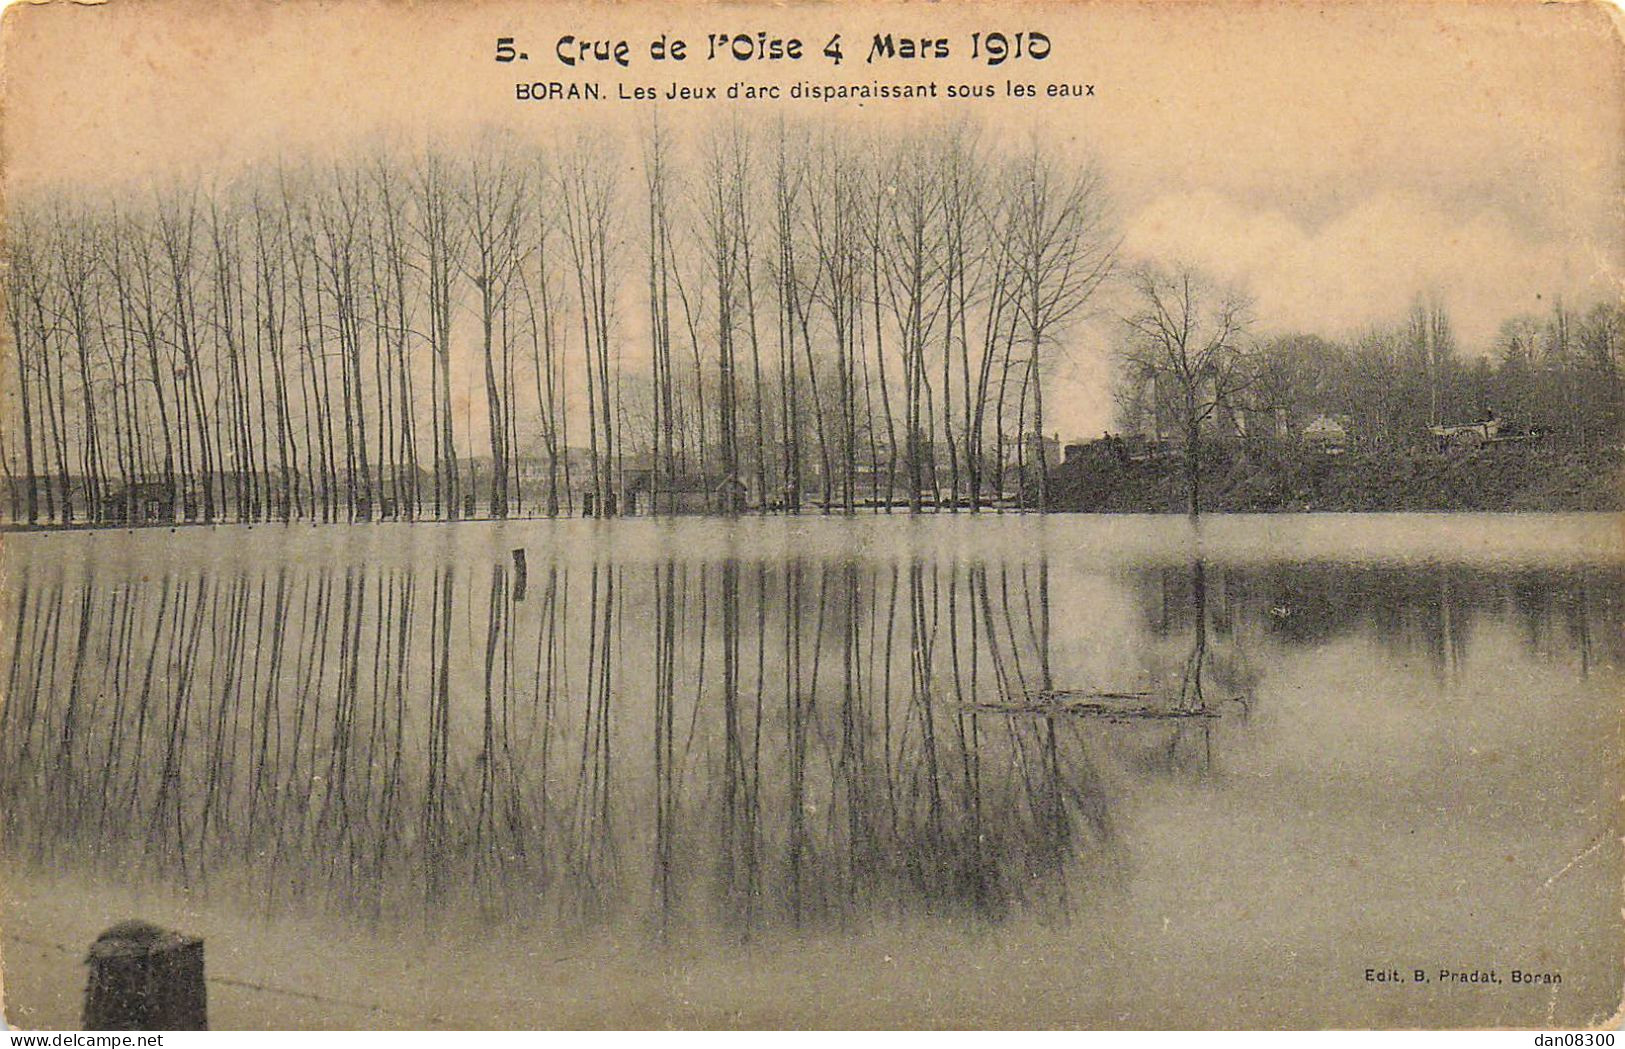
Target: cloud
x: 1365, y: 264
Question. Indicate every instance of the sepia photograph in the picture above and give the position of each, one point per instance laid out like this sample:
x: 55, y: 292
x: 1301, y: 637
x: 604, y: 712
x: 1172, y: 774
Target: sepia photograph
x: 987, y: 514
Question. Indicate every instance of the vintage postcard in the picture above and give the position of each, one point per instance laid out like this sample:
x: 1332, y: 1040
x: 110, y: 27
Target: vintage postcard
x: 990, y: 514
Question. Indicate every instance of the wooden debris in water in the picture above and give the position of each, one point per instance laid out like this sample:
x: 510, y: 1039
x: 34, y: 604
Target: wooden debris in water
x: 1112, y: 706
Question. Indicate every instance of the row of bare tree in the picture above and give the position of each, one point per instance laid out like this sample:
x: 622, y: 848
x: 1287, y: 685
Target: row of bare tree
x: 1562, y: 372
x: 831, y: 321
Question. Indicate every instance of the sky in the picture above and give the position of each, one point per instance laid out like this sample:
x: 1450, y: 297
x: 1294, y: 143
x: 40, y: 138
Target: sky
x: 1335, y: 160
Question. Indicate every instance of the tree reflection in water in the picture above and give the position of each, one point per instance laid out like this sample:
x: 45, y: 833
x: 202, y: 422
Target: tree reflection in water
x: 749, y: 743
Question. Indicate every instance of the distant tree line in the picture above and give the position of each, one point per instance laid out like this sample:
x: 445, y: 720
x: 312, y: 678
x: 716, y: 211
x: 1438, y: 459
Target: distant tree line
x: 830, y: 321
x: 1559, y: 371
x: 1191, y: 368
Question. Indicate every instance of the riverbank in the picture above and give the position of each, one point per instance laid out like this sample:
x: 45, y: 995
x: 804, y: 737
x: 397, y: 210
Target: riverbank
x: 1546, y: 477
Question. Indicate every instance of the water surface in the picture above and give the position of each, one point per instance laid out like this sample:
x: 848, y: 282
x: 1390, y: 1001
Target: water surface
x: 825, y: 771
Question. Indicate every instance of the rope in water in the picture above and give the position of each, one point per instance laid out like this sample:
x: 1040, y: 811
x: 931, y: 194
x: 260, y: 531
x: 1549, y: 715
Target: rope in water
x: 288, y: 992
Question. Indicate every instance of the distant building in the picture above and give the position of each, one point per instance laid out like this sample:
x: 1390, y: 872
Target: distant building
x: 1045, y: 449
x: 1109, y: 448
x: 685, y: 495
x: 1327, y: 434
x: 143, y: 501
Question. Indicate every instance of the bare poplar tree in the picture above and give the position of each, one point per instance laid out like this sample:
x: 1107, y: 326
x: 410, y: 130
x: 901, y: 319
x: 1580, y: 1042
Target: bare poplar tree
x: 493, y: 208
x: 24, y: 286
x: 1062, y: 250
x: 723, y: 260
x: 835, y: 199
x: 544, y: 304
x: 1188, y: 349
x: 588, y: 187
x: 743, y: 204
x: 177, y: 234
x: 788, y: 183
x: 658, y: 177
x: 441, y: 242
x: 912, y: 250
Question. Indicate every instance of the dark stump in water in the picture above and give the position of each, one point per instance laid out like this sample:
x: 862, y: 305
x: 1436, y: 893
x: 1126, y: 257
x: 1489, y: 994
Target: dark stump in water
x: 519, y: 574
x: 143, y: 978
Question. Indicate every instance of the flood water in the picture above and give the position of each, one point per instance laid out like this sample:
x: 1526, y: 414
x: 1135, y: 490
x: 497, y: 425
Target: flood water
x: 944, y: 771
